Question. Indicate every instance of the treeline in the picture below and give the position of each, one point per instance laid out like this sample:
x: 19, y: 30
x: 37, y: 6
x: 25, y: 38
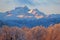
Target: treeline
x: 35, y: 33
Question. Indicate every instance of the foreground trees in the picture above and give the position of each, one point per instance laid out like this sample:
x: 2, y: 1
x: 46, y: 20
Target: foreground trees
x: 35, y: 33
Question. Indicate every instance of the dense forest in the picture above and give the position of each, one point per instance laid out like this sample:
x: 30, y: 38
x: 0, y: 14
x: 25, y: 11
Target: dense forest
x: 35, y: 33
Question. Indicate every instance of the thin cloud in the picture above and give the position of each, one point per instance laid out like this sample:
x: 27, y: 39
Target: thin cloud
x: 20, y: 16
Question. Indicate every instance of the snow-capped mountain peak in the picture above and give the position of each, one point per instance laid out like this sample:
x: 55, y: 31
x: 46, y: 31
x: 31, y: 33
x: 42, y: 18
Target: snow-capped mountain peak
x: 24, y: 12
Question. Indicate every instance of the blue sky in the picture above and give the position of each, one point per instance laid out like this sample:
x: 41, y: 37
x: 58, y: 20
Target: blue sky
x: 46, y: 6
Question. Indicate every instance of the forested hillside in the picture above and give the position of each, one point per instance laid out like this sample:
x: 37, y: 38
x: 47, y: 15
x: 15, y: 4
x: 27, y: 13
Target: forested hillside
x: 35, y: 33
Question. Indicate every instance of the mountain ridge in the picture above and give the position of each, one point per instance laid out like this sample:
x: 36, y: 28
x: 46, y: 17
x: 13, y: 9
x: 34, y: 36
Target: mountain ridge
x: 21, y: 16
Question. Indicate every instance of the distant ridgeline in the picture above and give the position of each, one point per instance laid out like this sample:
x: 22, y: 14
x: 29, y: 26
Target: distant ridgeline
x: 23, y: 16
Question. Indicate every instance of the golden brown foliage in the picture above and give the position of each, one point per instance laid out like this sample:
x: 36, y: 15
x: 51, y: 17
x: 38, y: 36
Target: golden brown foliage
x: 35, y: 33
